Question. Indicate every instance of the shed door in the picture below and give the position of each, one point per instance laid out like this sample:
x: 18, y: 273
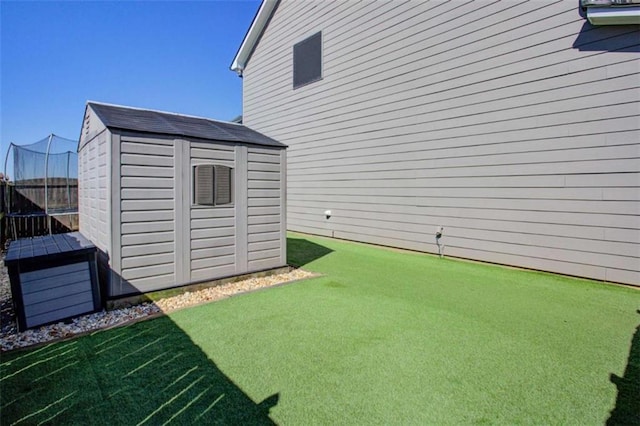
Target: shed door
x: 213, y: 210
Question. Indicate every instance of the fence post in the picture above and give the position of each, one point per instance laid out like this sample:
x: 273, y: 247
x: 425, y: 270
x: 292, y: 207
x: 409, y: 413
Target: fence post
x: 2, y: 214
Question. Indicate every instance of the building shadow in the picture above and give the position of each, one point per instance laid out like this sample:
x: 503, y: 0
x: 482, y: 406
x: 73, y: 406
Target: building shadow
x: 146, y: 373
x: 627, y: 409
x: 608, y: 38
x: 301, y: 252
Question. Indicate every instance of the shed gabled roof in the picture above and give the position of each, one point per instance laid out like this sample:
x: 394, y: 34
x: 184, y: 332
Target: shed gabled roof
x: 253, y: 35
x: 166, y: 123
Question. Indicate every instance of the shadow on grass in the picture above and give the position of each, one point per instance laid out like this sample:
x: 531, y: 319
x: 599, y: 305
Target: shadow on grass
x: 147, y: 373
x: 627, y: 409
x: 301, y: 252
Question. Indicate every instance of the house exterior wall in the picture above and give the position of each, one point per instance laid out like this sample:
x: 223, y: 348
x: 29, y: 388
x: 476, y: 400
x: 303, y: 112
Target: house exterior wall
x: 512, y: 124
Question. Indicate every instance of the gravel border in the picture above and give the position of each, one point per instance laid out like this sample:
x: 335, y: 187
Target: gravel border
x: 11, y: 339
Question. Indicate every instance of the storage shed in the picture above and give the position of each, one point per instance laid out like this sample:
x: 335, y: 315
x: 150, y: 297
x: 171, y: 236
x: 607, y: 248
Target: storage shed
x: 171, y: 200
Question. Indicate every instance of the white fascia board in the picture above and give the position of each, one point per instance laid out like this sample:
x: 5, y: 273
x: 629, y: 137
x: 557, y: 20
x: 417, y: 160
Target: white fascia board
x: 254, y: 33
x: 614, y: 15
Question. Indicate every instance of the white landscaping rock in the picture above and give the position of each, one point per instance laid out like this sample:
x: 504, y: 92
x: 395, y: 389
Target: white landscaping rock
x: 11, y: 339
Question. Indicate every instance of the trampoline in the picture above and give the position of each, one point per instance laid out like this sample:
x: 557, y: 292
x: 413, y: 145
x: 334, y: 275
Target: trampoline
x: 42, y: 195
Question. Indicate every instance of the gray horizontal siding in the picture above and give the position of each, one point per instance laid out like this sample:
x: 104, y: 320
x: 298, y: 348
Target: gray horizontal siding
x: 265, y: 208
x: 50, y: 278
x: 212, y: 233
x: 452, y: 148
x: 55, y: 293
x: 54, y: 309
x: 264, y: 236
x: 155, y: 226
x: 154, y: 281
x: 147, y: 193
x: 150, y: 216
x: 436, y: 54
x: 93, y: 191
x: 147, y: 249
x: 77, y: 285
x: 512, y: 124
x: 210, y: 268
x: 136, y: 261
x: 76, y: 308
x: 212, y: 229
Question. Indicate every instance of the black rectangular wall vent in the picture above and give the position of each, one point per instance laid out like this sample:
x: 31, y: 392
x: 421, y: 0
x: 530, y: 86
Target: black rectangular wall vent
x: 307, y: 60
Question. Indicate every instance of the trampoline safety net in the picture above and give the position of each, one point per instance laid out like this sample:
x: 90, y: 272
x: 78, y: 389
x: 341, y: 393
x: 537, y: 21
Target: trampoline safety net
x: 43, y: 183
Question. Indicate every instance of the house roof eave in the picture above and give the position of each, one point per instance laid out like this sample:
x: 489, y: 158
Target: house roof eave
x: 250, y: 40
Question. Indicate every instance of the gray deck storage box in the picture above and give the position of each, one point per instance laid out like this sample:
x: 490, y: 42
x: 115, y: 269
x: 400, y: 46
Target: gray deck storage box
x: 52, y: 278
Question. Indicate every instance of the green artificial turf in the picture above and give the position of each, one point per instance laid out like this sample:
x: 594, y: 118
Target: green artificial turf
x: 383, y: 337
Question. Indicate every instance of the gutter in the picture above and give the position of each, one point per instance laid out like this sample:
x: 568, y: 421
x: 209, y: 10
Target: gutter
x: 613, y: 16
x: 612, y: 12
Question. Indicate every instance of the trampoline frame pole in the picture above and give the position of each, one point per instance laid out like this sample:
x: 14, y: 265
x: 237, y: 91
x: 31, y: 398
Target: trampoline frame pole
x: 46, y: 179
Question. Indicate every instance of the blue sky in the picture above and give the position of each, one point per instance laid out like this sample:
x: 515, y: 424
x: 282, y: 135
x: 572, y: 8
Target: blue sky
x: 166, y: 55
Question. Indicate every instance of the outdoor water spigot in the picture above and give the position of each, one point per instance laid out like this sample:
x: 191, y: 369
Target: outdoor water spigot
x: 439, y: 233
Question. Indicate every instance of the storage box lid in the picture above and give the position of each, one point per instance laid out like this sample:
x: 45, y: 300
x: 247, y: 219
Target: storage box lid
x: 50, y: 245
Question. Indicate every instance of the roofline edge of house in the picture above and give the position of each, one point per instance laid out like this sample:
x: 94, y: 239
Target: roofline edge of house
x: 252, y: 36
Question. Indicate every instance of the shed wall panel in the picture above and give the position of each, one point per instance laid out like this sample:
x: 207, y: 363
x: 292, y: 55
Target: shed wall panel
x: 147, y: 230
x: 136, y: 205
x: 204, y: 273
x: 94, y: 199
x: 265, y: 209
x: 512, y: 124
x: 213, y: 243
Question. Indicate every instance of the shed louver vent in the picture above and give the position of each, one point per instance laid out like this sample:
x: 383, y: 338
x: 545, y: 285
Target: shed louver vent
x: 212, y: 185
x: 223, y: 185
x: 204, y: 185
